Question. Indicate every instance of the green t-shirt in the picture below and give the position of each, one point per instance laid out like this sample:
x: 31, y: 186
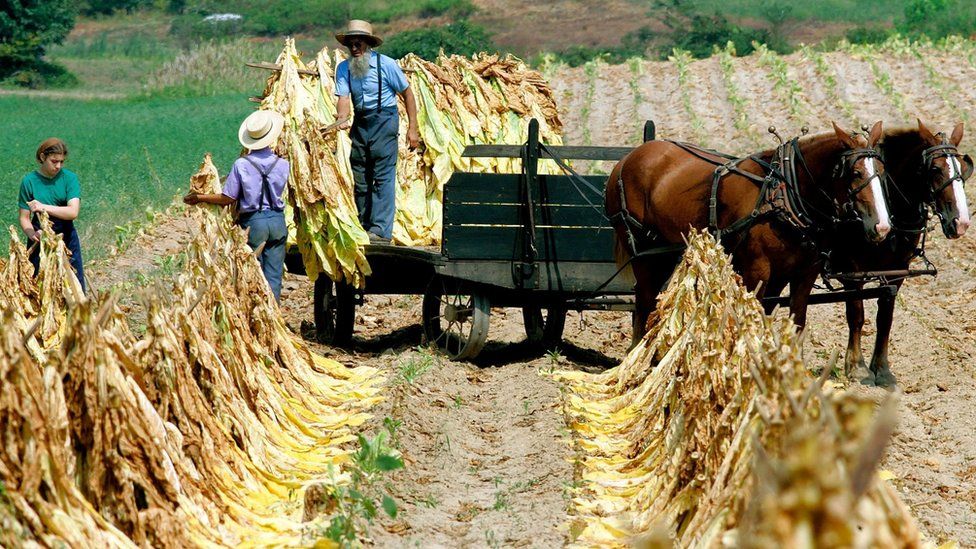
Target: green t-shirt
x: 56, y: 191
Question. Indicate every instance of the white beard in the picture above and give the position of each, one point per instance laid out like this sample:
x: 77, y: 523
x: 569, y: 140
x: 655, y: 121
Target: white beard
x: 359, y: 66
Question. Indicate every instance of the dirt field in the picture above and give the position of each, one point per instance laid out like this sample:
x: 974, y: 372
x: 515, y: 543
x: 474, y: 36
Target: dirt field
x: 487, y: 456
x: 933, y: 350
x: 488, y: 461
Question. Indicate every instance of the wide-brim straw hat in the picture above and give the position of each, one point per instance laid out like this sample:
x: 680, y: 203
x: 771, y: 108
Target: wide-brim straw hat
x: 359, y: 29
x: 260, y: 129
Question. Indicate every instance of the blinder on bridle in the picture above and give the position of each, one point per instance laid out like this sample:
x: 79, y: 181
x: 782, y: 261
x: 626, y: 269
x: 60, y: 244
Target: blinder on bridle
x: 945, y: 150
x: 844, y: 168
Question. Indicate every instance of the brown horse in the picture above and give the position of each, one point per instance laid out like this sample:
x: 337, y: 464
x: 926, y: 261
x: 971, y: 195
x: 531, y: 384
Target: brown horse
x: 925, y: 171
x: 662, y: 188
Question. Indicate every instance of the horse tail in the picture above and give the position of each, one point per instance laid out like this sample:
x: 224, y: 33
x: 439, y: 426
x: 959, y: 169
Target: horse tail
x: 622, y: 252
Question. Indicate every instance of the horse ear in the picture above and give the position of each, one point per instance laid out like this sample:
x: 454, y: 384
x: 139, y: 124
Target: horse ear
x: 876, y: 131
x: 844, y: 137
x: 967, y: 169
x: 956, y: 135
x: 926, y: 133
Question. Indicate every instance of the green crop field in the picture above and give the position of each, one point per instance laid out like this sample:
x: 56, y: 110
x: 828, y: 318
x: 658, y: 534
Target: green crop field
x: 128, y: 154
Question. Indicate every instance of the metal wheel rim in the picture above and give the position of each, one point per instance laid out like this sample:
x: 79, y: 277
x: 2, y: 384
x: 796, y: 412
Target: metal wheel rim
x: 541, y: 326
x: 325, y: 318
x: 455, y: 321
x: 334, y: 312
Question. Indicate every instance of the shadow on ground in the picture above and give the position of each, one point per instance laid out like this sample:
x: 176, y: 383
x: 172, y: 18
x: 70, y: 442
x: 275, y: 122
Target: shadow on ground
x: 495, y: 354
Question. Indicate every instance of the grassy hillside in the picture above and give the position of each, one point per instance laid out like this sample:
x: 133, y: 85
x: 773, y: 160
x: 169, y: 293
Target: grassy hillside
x: 843, y: 11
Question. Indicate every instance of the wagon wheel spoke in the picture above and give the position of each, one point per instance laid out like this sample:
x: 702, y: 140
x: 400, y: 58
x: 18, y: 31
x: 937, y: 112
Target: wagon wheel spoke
x: 458, y: 334
x: 457, y: 342
x: 448, y: 336
x: 440, y: 336
x: 455, y: 319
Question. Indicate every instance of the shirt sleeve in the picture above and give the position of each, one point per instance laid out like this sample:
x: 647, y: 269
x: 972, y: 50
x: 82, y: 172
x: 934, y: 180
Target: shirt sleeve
x: 25, y: 194
x: 394, y: 75
x: 232, y: 186
x: 73, y: 187
x: 342, y: 79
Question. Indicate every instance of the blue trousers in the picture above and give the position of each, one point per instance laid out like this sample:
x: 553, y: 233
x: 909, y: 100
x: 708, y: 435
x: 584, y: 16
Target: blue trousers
x: 70, y: 235
x: 374, y: 159
x: 268, y: 227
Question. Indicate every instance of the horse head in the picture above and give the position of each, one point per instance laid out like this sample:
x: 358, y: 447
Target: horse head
x: 856, y: 182
x: 945, y: 171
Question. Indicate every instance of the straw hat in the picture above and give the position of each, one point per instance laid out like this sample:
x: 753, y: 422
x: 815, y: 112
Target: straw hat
x: 260, y: 129
x: 360, y: 29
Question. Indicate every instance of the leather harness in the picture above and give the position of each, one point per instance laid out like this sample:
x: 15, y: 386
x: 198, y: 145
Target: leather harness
x: 779, y: 193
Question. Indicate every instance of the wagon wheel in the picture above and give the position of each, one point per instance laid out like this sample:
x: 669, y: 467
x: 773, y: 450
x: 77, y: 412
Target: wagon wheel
x: 457, y: 322
x: 334, y: 310
x: 544, y: 326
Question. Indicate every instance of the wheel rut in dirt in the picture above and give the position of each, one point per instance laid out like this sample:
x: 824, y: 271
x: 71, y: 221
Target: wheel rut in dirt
x: 486, y: 448
x: 485, y: 455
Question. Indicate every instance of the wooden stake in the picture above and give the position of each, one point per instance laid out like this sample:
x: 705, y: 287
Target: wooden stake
x: 274, y: 67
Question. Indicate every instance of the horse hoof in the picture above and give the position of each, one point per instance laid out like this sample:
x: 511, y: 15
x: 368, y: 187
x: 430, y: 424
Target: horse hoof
x: 884, y: 378
x: 862, y: 375
x: 868, y: 380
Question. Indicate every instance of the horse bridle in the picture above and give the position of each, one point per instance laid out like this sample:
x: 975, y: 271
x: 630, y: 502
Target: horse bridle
x: 844, y: 166
x: 931, y: 154
x: 928, y: 156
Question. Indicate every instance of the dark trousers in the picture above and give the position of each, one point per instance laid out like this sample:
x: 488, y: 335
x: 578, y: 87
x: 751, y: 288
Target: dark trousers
x: 374, y: 159
x: 268, y: 227
x: 70, y: 235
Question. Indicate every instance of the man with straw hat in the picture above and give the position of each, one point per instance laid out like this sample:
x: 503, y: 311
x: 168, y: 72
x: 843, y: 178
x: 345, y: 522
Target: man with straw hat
x: 368, y: 83
x: 257, y: 182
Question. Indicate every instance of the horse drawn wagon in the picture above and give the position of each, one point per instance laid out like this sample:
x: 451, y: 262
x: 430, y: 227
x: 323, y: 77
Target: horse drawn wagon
x: 528, y: 240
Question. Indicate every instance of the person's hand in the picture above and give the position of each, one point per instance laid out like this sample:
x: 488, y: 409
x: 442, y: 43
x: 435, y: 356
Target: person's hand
x: 191, y: 199
x: 413, y: 137
x: 346, y: 124
x: 36, y: 236
x: 36, y: 207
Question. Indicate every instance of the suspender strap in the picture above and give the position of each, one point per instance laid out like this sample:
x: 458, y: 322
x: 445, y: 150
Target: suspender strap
x: 379, y: 82
x: 265, y: 184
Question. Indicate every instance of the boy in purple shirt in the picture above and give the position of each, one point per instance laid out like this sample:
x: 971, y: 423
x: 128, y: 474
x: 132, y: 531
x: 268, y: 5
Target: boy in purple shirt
x: 257, y: 182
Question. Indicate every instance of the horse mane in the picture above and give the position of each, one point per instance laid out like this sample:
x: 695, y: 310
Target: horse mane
x: 901, y: 150
x: 901, y: 144
x: 804, y: 141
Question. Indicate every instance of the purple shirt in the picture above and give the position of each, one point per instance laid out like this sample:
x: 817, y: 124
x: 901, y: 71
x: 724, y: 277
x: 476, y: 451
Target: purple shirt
x: 244, y: 181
